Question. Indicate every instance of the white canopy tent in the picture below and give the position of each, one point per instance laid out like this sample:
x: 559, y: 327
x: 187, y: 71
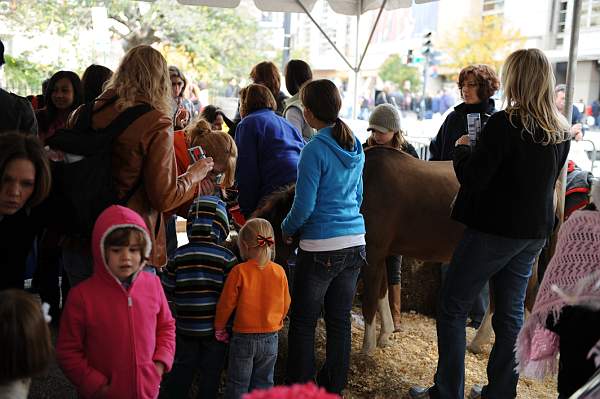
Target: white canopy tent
x: 345, y: 7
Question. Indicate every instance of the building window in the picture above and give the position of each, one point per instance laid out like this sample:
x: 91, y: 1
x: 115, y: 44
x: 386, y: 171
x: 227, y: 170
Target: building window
x: 266, y: 17
x: 590, y: 13
x: 493, y: 5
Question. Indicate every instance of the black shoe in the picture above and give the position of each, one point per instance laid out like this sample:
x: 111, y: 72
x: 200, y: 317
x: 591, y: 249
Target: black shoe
x: 475, y: 392
x: 417, y: 392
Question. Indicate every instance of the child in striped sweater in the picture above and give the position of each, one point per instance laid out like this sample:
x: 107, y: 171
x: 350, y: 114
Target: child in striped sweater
x: 258, y: 292
x: 193, y: 282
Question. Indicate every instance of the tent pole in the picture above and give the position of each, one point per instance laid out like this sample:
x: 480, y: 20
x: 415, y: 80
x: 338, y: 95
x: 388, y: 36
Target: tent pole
x: 356, y: 67
x: 568, y: 110
x: 572, y: 65
x: 308, y: 14
x: 372, y: 33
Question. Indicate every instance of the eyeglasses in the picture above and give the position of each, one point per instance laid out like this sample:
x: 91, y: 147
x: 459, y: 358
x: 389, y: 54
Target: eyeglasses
x: 468, y: 85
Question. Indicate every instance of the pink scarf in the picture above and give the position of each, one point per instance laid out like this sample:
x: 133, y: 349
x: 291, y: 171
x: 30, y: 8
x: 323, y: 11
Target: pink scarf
x: 570, y: 279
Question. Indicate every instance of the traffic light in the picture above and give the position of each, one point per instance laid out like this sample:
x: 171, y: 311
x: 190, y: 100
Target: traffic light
x: 409, y: 57
x: 427, y: 45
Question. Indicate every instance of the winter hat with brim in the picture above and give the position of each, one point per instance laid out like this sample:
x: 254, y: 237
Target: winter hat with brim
x: 384, y: 118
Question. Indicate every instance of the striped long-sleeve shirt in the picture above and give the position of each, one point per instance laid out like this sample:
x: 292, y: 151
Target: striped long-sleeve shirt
x: 193, y: 281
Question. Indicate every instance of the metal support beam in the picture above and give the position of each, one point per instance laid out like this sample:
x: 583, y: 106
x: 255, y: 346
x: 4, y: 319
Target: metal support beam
x: 568, y: 110
x: 372, y: 33
x: 324, y: 34
x: 356, y: 58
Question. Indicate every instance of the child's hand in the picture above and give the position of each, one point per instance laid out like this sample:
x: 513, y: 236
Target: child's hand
x: 160, y: 368
x: 222, y: 336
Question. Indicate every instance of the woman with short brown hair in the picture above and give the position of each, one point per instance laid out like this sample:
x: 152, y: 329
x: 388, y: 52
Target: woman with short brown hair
x: 268, y: 148
x: 267, y: 74
x: 477, y: 84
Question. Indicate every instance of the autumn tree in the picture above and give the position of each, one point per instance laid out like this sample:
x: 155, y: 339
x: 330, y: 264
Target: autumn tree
x: 480, y: 41
x: 395, y: 71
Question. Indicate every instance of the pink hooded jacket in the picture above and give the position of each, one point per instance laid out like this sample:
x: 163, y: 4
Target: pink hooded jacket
x: 111, y: 335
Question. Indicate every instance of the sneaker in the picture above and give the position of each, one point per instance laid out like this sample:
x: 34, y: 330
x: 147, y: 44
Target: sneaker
x: 418, y: 393
x: 475, y: 392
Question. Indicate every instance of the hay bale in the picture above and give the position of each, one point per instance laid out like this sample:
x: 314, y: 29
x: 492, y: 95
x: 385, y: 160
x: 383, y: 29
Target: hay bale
x: 420, y: 286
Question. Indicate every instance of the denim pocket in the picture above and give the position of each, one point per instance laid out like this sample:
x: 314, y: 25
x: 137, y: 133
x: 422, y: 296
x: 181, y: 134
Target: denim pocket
x: 330, y: 262
x: 269, y: 344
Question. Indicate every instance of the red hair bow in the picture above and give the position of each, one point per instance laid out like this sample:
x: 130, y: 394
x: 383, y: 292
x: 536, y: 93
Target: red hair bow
x: 262, y: 241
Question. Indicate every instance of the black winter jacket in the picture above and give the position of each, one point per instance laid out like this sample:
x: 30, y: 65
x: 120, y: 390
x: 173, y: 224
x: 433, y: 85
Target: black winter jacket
x: 507, y: 181
x: 454, y: 126
x: 16, y: 114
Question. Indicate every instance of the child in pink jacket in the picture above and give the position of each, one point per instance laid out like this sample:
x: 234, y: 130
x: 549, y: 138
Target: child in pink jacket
x: 117, y: 335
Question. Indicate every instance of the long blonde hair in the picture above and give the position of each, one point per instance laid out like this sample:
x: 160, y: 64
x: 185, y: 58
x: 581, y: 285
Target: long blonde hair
x: 142, y: 75
x: 218, y: 145
x: 528, y: 83
x: 252, y: 235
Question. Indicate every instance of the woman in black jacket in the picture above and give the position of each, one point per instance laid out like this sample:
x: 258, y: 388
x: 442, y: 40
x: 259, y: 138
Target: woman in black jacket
x: 505, y: 201
x: 477, y: 84
x: 24, y: 183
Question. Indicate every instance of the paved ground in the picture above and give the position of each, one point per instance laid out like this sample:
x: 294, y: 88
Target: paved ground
x: 54, y: 385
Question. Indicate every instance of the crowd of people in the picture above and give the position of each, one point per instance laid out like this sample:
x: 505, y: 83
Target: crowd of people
x: 141, y: 316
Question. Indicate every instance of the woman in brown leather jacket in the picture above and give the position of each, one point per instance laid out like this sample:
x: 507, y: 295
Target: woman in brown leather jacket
x: 143, y: 157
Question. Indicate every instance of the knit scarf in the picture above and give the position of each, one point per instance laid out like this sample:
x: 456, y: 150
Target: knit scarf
x: 571, y: 279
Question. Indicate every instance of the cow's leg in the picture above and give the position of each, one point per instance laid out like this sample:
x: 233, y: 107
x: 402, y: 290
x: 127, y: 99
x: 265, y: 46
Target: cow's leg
x: 373, y: 277
x: 484, y: 333
x: 387, y: 323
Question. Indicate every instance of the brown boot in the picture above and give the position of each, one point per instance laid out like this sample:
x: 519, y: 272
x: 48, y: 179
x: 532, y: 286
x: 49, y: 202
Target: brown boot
x: 394, y: 298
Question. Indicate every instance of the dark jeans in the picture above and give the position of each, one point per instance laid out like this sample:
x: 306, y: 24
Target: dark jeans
x: 506, y: 263
x: 323, y: 280
x: 481, y: 302
x: 251, y: 366
x: 205, y: 355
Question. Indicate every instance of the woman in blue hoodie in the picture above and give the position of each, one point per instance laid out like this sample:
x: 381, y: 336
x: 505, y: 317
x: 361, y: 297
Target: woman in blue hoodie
x: 326, y: 217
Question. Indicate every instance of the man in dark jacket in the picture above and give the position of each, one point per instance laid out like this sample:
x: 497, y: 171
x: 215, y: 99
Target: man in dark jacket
x: 16, y: 113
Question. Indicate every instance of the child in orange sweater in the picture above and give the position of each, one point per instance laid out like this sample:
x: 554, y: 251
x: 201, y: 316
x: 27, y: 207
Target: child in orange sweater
x: 258, y: 292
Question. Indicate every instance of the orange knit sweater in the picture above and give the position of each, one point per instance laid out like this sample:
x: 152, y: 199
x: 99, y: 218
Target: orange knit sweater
x: 260, y: 298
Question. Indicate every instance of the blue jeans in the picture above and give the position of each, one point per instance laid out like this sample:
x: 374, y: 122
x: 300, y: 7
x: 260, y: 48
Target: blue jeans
x: 481, y: 303
x: 323, y: 280
x: 203, y: 354
x: 506, y: 263
x: 251, y: 366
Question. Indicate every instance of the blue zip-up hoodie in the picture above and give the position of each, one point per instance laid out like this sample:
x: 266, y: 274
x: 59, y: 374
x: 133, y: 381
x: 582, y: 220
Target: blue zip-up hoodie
x: 328, y: 190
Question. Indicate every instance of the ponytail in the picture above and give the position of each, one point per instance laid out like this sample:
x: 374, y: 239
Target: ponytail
x: 323, y: 99
x: 343, y: 135
x: 257, y: 234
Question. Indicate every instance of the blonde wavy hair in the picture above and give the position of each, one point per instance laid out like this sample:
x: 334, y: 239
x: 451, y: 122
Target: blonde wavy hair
x: 143, y: 75
x: 249, y: 237
x: 218, y: 145
x: 528, y: 83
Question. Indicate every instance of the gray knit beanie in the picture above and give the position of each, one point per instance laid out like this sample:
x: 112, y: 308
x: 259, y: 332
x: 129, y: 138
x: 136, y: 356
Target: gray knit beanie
x: 384, y: 118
